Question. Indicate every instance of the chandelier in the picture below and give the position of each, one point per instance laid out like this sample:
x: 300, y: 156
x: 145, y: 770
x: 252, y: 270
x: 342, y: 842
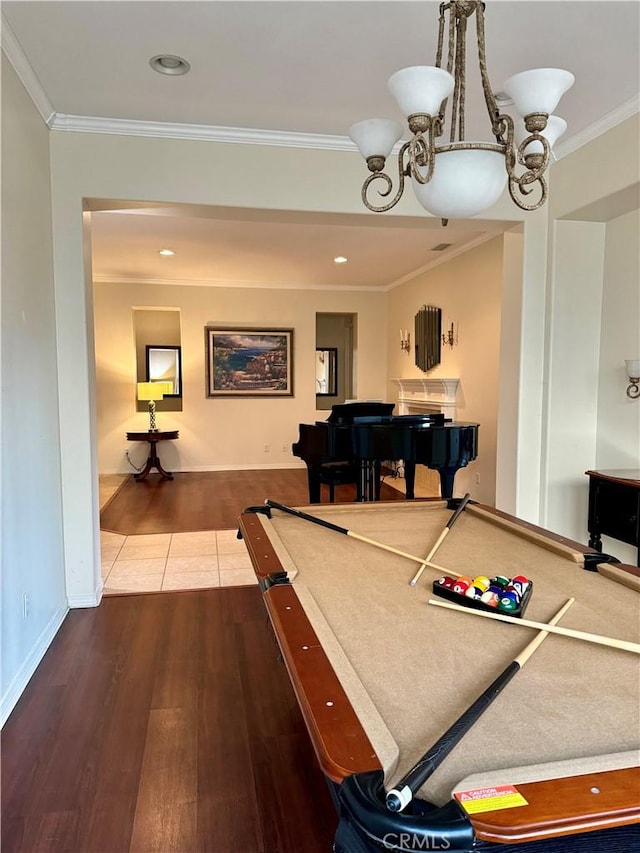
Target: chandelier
x: 460, y: 178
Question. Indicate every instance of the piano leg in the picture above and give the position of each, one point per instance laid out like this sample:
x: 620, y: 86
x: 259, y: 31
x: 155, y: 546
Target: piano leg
x: 376, y: 483
x: 410, y: 479
x: 447, y: 476
x: 314, y: 485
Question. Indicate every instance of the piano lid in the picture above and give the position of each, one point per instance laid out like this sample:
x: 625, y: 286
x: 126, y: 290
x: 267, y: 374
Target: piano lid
x: 346, y: 413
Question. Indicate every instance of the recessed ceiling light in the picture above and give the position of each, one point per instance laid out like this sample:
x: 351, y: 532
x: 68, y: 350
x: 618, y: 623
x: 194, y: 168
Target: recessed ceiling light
x: 166, y: 252
x: 167, y: 63
x: 339, y: 260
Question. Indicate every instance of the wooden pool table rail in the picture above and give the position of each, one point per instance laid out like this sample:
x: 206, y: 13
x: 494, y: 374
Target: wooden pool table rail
x: 566, y: 807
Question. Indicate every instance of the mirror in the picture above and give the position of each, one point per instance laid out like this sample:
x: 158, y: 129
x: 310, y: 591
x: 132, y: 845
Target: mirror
x: 428, y: 337
x: 327, y: 372
x: 164, y: 365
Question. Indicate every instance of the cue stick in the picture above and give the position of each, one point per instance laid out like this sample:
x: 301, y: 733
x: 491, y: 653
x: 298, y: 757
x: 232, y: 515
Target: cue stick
x: 400, y: 796
x: 335, y: 527
x: 612, y: 642
x: 465, y: 500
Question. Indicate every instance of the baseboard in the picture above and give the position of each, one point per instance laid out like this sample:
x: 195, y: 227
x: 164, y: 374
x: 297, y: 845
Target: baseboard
x: 22, y: 677
x: 77, y: 601
x: 265, y: 466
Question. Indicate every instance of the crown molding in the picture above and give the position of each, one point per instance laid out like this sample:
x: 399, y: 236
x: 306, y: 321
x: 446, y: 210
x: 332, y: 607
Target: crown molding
x: 607, y: 122
x: 252, y: 136
x: 258, y: 285
x: 14, y: 53
x: 206, y: 133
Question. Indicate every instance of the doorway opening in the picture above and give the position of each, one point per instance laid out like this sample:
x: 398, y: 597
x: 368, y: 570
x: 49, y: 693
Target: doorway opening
x: 335, y: 347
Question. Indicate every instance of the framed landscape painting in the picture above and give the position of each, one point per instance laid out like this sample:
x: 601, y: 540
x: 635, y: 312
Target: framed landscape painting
x: 249, y: 362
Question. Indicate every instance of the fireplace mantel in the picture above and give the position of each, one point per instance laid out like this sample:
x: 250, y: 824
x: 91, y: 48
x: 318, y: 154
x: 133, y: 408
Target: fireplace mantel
x: 427, y: 395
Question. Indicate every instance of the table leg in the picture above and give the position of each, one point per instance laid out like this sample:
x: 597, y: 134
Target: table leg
x: 153, y: 461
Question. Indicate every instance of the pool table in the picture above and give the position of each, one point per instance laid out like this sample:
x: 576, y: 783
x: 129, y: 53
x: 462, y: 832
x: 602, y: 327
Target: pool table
x: 379, y: 675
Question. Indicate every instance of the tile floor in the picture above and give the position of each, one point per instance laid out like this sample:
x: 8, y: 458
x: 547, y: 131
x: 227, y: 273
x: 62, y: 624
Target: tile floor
x: 173, y: 561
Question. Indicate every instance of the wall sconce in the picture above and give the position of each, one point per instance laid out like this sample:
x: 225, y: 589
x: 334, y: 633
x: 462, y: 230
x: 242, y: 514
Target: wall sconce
x: 450, y: 338
x: 405, y: 340
x: 633, y: 372
x: 153, y: 391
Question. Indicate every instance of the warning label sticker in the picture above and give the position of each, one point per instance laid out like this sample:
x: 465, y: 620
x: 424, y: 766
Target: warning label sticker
x: 490, y: 799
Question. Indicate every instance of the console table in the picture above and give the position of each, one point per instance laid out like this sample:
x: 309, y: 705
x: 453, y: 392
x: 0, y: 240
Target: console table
x: 153, y: 437
x: 614, y: 506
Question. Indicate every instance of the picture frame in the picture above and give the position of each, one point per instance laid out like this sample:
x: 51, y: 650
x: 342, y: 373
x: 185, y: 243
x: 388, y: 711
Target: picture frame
x: 249, y: 362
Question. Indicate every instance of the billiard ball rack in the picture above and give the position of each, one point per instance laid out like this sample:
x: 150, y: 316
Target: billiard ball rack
x: 477, y: 604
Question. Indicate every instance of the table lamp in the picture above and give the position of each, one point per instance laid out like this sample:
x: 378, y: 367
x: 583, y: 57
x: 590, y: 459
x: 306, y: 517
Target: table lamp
x: 153, y: 391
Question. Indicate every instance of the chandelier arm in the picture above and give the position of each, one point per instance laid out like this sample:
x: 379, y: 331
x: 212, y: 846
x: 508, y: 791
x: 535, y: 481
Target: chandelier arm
x: 382, y: 176
x: 503, y: 124
x: 516, y: 185
x: 489, y: 98
x: 422, y: 149
x: 538, y: 170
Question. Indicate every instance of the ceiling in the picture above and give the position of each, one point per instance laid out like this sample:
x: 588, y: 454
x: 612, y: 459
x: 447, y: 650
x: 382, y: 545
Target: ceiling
x: 296, y: 68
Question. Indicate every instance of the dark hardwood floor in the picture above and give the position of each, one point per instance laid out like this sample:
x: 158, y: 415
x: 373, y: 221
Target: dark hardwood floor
x: 210, y: 500
x: 163, y: 722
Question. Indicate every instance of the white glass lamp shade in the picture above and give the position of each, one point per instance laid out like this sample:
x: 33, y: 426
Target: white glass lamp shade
x: 420, y: 89
x: 556, y: 126
x: 465, y: 182
x: 375, y: 137
x: 633, y: 368
x: 538, y: 90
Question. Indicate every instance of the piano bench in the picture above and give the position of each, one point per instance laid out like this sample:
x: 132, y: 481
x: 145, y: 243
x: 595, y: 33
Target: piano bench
x: 334, y: 474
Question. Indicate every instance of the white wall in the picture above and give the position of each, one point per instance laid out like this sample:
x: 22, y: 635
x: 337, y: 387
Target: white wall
x: 32, y: 553
x: 468, y: 289
x: 216, y: 433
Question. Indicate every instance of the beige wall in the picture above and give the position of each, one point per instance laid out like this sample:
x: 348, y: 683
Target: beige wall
x: 32, y: 550
x: 468, y: 289
x: 215, y: 433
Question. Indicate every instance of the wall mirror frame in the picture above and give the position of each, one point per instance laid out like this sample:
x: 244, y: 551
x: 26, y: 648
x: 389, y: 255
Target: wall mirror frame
x: 326, y: 371
x: 164, y: 364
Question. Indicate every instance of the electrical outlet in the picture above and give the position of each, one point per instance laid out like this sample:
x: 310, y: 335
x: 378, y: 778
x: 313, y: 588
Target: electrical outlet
x: 267, y: 448
x: 477, y: 478
x: 25, y: 605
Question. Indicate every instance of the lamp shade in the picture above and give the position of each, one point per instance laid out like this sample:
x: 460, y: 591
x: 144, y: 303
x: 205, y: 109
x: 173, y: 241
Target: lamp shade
x: 153, y: 390
x: 633, y: 368
x: 538, y: 90
x: 375, y: 137
x: 556, y: 126
x: 420, y: 89
x: 465, y: 182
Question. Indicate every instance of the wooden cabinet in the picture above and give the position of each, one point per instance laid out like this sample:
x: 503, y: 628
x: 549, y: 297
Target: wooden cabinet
x: 614, y: 507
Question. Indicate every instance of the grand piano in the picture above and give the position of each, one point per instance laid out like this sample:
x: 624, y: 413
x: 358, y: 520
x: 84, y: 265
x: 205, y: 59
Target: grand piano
x: 364, y: 435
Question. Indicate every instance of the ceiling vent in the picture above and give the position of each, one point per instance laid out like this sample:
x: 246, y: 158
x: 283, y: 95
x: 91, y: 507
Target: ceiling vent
x: 441, y: 247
